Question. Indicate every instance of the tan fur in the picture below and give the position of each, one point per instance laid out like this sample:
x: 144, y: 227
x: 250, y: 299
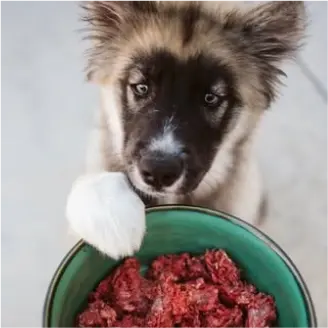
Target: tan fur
x: 155, y: 32
x: 233, y: 183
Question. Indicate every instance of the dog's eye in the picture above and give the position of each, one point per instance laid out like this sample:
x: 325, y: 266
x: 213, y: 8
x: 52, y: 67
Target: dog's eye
x: 140, y: 89
x: 211, y: 99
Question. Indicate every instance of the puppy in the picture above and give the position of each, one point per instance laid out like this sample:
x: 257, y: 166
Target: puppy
x: 183, y: 88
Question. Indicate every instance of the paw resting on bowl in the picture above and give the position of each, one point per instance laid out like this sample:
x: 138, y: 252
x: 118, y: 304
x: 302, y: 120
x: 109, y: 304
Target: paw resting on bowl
x: 104, y: 211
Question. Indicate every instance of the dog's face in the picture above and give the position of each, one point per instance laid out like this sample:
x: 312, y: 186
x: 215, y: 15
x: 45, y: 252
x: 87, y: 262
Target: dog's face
x: 185, y: 83
x: 176, y: 113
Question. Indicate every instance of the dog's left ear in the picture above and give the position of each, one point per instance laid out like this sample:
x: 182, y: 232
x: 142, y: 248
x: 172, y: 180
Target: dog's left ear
x: 265, y: 35
x: 271, y: 31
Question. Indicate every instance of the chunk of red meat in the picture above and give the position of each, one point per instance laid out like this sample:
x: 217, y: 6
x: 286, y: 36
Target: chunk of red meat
x: 130, y: 291
x: 261, y: 311
x: 190, y: 298
x: 238, y: 294
x: 196, y: 268
x: 179, y: 267
x: 160, y: 314
x: 221, y: 268
x: 103, y: 290
x: 90, y: 318
x: 179, y: 302
x: 169, y: 265
x: 98, y: 314
x: 130, y: 321
x: 222, y: 316
x: 192, y: 319
x: 201, y: 295
x: 161, y: 311
x: 192, y: 295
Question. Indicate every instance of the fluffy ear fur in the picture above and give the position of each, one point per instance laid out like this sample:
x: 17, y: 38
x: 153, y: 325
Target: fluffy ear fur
x: 108, y: 18
x: 267, y: 34
x: 107, y: 22
x: 271, y: 31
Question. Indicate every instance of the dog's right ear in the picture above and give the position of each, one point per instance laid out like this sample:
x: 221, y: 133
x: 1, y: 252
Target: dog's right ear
x: 105, y: 18
x: 109, y: 22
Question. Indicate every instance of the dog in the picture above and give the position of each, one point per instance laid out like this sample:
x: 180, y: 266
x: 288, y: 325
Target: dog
x: 183, y: 88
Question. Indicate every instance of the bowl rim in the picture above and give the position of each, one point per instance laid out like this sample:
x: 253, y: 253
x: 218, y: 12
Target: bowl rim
x: 50, y: 294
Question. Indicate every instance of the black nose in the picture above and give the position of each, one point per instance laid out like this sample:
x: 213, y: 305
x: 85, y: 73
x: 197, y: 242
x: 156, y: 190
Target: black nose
x: 160, y: 171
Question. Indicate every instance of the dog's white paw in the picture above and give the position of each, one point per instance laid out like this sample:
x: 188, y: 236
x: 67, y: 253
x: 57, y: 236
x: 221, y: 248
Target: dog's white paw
x: 104, y: 211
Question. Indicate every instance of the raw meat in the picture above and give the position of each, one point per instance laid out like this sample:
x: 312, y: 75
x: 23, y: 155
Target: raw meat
x: 178, y: 291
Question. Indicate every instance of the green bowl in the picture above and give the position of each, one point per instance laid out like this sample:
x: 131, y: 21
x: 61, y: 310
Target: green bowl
x: 176, y: 229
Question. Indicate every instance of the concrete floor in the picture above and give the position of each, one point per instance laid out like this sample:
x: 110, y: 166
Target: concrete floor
x: 46, y: 113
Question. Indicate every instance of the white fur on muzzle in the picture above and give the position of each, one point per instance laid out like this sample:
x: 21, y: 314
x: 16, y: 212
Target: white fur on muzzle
x: 104, y: 211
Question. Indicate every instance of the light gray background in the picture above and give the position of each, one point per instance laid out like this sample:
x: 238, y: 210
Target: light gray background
x: 46, y: 113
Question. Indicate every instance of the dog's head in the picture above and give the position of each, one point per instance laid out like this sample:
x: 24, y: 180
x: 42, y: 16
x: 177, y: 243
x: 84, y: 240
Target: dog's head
x: 184, y: 83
